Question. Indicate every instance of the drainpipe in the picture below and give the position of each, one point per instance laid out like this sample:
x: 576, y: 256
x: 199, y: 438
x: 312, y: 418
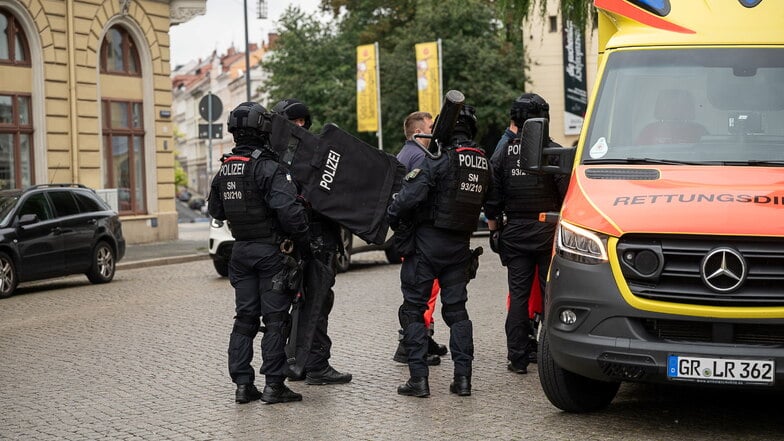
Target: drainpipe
x: 71, y: 32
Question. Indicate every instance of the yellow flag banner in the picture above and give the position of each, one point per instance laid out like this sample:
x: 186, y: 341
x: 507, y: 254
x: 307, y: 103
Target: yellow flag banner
x: 428, y: 78
x: 367, y: 96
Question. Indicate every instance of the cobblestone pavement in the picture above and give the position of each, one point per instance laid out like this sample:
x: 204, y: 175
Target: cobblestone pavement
x: 144, y: 358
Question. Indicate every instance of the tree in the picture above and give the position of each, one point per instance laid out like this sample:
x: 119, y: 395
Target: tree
x: 483, y: 57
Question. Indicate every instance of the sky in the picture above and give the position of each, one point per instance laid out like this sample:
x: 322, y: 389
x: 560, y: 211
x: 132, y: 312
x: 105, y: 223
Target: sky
x: 224, y: 24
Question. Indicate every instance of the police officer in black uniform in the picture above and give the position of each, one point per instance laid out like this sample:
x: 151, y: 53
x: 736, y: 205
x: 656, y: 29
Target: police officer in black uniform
x: 523, y: 243
x: 325, y: 237
x: 442, y: 199
x: 257, y: 198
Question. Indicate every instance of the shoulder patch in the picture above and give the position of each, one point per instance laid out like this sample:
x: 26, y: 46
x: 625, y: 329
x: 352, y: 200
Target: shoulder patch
x: 413, y: 174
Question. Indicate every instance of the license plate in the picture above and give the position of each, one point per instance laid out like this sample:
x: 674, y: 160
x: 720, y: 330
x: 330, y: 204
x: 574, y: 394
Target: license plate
x: 721, y: 370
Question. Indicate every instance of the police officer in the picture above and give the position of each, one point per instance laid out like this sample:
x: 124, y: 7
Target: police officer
x: 411, y: 156
x: 523, y: 243
x: 442, y: 199
x: 257, y: 198
x: 326, y: 234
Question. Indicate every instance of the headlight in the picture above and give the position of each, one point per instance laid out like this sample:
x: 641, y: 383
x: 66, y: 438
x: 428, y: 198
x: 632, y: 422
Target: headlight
x: 580, y: 245
x: 216, y: 223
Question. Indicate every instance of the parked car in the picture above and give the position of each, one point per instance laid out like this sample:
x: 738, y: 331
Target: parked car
x: 196, y: 202
x: 56, y: 230
x: 185, y: 196
x: 221, y: 242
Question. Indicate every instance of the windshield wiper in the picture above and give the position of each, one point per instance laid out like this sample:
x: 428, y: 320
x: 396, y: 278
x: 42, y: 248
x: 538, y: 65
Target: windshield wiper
x: 642, y: 161
x: 761, y: 162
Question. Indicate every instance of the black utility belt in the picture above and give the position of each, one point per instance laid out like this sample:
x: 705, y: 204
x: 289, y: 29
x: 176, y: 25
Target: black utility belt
x: 528, y: 216
x: 272, y: 239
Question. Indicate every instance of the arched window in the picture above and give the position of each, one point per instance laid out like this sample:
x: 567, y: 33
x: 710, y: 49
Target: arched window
x: 13, y: 43
x: 123, y: 131
x: 119, y: 54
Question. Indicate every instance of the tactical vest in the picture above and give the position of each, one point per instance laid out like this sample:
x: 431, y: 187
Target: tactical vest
x: 526, y: 195
x: 247, y: 213
x: 459, y: 195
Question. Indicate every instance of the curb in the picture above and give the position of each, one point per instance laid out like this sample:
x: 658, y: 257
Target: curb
x: 162, y: 261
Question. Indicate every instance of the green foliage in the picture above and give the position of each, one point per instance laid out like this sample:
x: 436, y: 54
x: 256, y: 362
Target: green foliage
x: 180, y: 177
x: 483, y: 57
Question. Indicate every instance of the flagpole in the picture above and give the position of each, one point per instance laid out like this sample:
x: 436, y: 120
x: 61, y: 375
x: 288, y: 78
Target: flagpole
x: 378, y: 98
x: 440, y: 75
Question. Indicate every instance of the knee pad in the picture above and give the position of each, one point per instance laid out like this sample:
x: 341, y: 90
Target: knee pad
x: 409, y: 313
x: 454, y: 313
x: 277, y: 322
x: 246, y: 325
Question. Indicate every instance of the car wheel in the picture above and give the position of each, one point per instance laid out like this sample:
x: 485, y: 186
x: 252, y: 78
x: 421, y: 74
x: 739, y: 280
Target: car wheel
x: 569, y: 391
x: 103, y: 266
x: 392, y: 255
x: 8, y: 279
x: 343, y: 260
x: 221, y: 266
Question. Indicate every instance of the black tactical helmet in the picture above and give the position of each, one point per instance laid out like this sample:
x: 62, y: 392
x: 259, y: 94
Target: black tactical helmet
x: 466, y: 121
x: 248, y: 119
x: 293, y: 109
x: 529, y: 105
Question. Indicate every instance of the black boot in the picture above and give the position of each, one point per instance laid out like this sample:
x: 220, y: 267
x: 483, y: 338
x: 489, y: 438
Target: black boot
x: 246, y: 393
x: 434, y: 348
x: 401, y: 356
x: 279, y: 393
x: 292, y: 376
x: 461, y: 386
x: 518, y: 368
x: 328, y: 375
x: 415, y: 387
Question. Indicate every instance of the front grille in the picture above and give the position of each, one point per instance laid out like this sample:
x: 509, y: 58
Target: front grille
x: 680, y: 280
x: 715, y: 332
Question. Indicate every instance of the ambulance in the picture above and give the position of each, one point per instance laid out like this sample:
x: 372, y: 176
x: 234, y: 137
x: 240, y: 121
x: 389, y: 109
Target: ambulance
x: 668, y: 262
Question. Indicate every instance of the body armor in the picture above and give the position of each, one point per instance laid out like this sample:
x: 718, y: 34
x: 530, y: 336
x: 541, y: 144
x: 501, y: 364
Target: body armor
x: 459, y: 196
x: 243, y: 201
x: 526, y: 195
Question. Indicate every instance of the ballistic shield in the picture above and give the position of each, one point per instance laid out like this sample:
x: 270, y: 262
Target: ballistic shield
x: 343, y: 178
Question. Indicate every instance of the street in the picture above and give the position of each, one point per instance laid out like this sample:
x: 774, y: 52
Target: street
x: 144, y: 357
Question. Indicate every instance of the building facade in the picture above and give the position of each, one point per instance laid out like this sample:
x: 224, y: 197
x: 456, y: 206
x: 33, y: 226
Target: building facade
x: 85, y: 97
x: 562, y: 68
x: 222, y: 76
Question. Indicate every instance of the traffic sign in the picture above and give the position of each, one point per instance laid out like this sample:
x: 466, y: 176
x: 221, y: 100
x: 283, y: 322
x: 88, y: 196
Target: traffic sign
x: 217, y: 131
x: 204, y: 107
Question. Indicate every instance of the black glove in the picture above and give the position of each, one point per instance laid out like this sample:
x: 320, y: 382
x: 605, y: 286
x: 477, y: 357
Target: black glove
x: 394, y: 222
x: 473, y: 264
x: 302, y: 246
x: 495, y: 241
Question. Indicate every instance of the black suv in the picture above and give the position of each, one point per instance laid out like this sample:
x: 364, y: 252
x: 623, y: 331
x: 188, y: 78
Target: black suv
x: 56, y: 230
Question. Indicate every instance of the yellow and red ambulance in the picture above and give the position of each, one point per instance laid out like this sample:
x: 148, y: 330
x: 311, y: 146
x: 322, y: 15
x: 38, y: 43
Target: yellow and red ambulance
x: 668, y: 259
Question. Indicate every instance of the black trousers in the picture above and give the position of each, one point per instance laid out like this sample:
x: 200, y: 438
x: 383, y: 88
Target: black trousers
x: 320, y: 350
x: 520, y: 275
x: 437, y: 257
x: 251, y: 269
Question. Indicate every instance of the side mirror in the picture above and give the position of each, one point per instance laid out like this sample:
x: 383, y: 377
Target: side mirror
x: 27, y: 219
x: 536, y: 157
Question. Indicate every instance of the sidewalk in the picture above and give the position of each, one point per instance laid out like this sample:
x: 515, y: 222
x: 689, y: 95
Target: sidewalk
x: 193, y: 244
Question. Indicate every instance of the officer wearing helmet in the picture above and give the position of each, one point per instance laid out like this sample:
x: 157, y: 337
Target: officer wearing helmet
x: 442, y: 198
x: 523, y: 243
x: 295, y: 110
x: 255, y: 195
x: 325, y: 235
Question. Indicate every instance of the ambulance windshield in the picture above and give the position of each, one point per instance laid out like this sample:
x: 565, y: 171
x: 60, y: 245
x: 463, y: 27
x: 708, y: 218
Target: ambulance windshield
x: 695, y: 105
